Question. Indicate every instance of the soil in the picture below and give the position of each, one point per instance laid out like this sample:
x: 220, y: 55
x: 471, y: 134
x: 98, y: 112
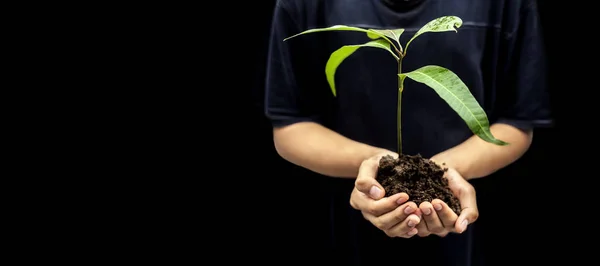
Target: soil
x: 420, y: 178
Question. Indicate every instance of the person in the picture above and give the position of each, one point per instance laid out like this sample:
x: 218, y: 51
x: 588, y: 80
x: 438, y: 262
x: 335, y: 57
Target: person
x: 498, y: 52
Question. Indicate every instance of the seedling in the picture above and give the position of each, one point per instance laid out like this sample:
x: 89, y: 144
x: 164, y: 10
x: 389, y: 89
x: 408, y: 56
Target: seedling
x: 442, y: 80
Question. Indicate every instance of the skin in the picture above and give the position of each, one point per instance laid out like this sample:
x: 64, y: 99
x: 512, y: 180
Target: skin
x: 398, y: 217
x: 473, y: 158
x: 324, y: 151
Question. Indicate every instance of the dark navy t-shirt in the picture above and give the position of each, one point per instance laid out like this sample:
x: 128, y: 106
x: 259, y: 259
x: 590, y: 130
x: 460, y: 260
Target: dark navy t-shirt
x: 497, y: 52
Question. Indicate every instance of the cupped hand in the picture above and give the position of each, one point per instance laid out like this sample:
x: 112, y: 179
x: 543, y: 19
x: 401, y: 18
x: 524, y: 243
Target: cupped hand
x: 394, y: 215
x: 439, y: 219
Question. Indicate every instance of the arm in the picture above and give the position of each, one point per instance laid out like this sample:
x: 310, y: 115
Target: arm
x: 322, y: 150
x: 475, y: 158
x: 522, y: 104
x: 297, y: 99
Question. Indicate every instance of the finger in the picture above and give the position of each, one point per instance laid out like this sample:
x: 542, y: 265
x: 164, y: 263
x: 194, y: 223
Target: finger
x: 446, y: 215
x: 395, y: 217
x: 407, y: 228
x: 365, y: 181
x: 431, y: 218
x: 361, y: 201
x: 422, y: 228
x: 469, y: 212
x: 467, y: 216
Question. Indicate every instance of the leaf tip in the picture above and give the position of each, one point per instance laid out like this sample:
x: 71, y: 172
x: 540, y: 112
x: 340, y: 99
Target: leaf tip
x: 293, y: 36
x: 458, y: 23
x: 501, y: 142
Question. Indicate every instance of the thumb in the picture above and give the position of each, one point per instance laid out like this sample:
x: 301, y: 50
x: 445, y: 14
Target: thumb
x: 467, y: 216
x: 467, y: 198
x: 366, y: 182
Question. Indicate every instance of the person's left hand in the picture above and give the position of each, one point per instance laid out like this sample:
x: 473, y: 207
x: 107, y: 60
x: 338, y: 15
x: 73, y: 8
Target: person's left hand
x: 439, y: 219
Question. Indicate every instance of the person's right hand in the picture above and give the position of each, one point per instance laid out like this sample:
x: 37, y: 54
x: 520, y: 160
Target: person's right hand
x: 393, y: 214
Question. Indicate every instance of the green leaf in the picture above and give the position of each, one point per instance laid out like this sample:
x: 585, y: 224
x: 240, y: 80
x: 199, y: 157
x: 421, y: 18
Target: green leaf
x: 392, y: 34
x: 441, y: 24
x: 450, y: 88
x: 370, y: 33
x: 343, y: 52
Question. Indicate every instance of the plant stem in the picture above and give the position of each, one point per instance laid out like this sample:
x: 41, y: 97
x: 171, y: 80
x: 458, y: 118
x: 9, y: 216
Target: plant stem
x: 399, y: 104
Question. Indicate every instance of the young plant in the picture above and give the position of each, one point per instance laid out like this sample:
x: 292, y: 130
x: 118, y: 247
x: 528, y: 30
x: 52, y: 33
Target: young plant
x: 443, y: 81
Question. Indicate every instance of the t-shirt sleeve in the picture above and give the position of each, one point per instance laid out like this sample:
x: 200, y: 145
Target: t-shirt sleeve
x: 291, y: 78
x: 523, y: 95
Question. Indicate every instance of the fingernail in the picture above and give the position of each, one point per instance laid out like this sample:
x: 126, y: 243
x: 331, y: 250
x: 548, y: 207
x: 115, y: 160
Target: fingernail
x: 413, y: 232
x: 437, y: 206
x: 411, y: 223
x: 427, y: 211
x: 375, y: 192
x: 464, y: 224
x: 408, y: 210
x: 401, y: 200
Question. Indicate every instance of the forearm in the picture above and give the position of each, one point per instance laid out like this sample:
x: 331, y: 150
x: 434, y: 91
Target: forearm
x: 322, y: 150
x: 476, y: 158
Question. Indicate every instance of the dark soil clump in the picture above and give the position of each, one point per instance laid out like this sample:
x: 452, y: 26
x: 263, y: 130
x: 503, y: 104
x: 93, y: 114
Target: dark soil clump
x: 420, y: 178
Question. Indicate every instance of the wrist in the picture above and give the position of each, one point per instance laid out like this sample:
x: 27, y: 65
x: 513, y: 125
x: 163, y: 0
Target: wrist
x: 447, y: 160
x: 383, y: 152
x: 372, y: 152
x: 364, y: 152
